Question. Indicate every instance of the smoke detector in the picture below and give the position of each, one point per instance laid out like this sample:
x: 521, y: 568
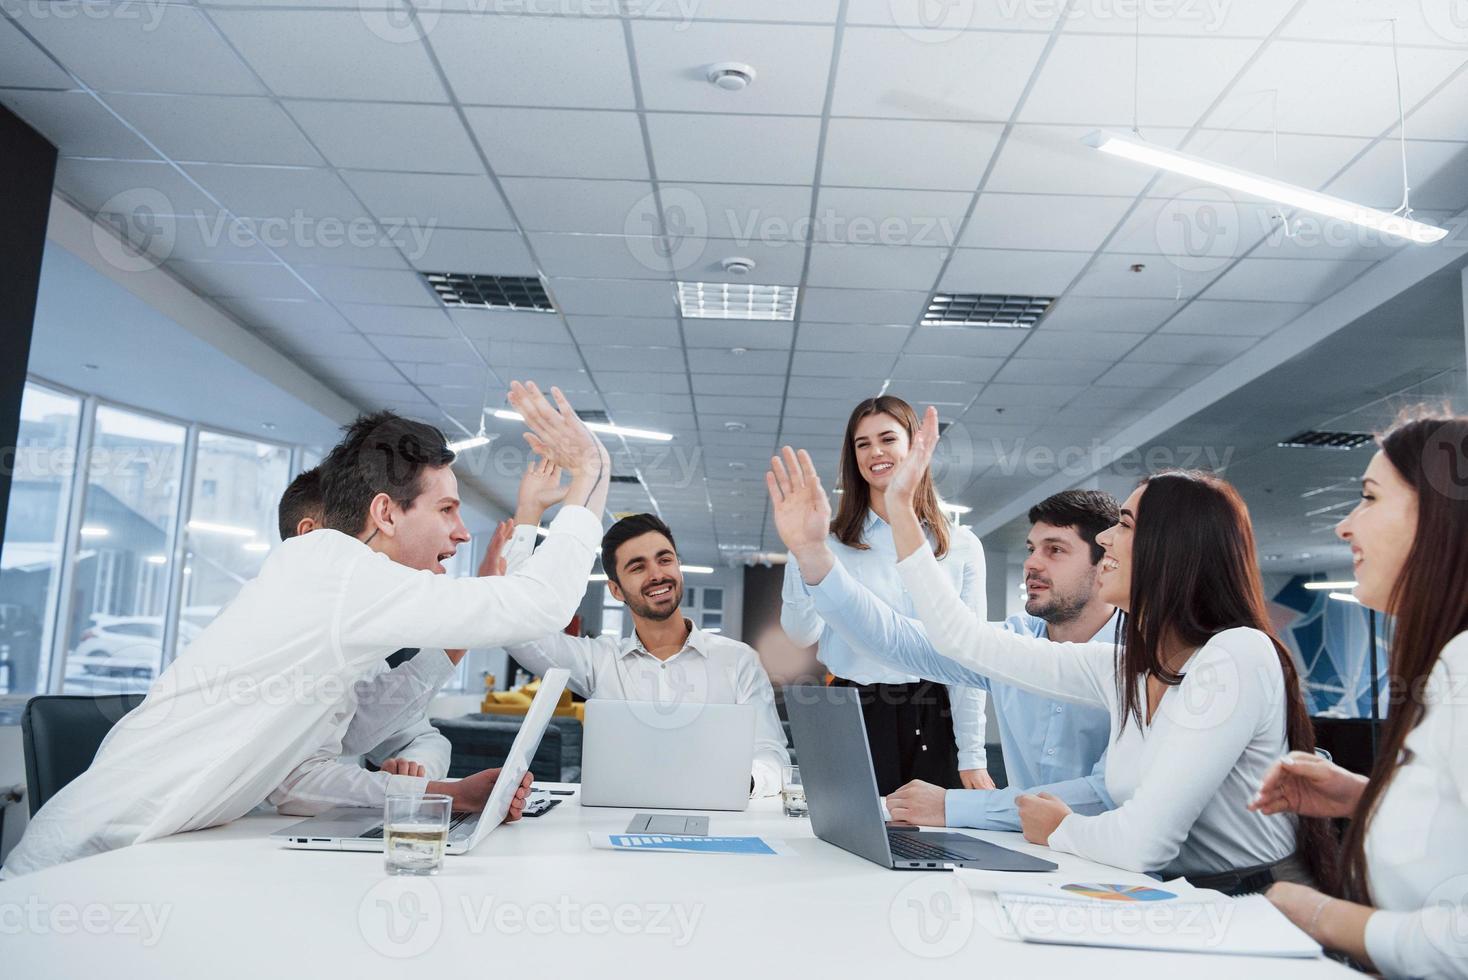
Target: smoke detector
x: 735, y: 426
x: 731, y: 76
x: 737, y: 265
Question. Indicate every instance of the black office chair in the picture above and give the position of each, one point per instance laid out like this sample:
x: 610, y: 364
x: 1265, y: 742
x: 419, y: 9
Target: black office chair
x: 61, y: 734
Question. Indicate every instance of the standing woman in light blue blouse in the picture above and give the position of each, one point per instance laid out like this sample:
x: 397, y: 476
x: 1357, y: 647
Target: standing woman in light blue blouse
x: 917, y: 729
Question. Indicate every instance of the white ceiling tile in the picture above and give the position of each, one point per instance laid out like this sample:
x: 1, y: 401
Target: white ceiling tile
x: 742, y: 212
x: 371, y: 369
x: 1011, y: 271
x: 1099, y: 345
x: 1043, y: 221
x: 1233, y: 318
x: 723, y: 406
x: 643, y: 382
x: 424, y: 350
x: 536, y: 355
x: 1039, y: 395
x: 868, y: 216
x: 387, y: 136
x: 776, y: 262
x: 874, y: 266
x: 1439, y: 182
x: 862, y: 306
x: 76, y: 124
x: 1190, y: 349
x: 749, y: 385
x: 326, y: 347
x: 875, y: 338
x: 1142, y: 276
x: 217, y: 129
x: 938, y: 81
x: 416, y: 321
x: 500, y: 253
x: 806, y: 11
x: 1046, y: 158
x: 946, y: 367
x: 283, y: 196
x: 264, y: 280
x: 849, y: 390
x: 631, y: 359
x: 734, y: 149
x: 611, y: 297
x: 350, y: 58
x: 950, y: 397
x: 904, y: 153
x: 606, y: 207
x: 1105, y: 313
x: 124, y: 186
x: 840, y: 364
x: 1071, y: 90
x: 493, y: 326
x: 428, y: 200
x: 601, y: 256
x: 539, y: 61
x: 1044, y: 369
x: 1286, y: 280
x: 715, y: 360
x: 632, y: 403
x: 938, y: 25
x: 1442, y: 118
x: 286, y: 316
x: 554, y: 142
x: 1369, y: 21
x: 1342, y: 89
x: 817, y: 408
x: 623, y: 330
x: 791, y: 66
x: 361, y: 244
x: 369, y: 286
x: 162, y: 49
x: 749, y: 334
x: 965, y: 341
x: 24, y: 64
x: 1136, y: 373
x: 1147, y: 398
x: 1201, y: 231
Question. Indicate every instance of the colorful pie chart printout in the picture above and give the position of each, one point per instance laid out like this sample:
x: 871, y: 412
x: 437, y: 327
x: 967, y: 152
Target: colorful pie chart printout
x: 1120, y: 893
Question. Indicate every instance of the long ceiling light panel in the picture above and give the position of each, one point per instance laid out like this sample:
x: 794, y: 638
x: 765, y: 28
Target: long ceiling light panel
x: 614, y: 430
x: 1291, y: 195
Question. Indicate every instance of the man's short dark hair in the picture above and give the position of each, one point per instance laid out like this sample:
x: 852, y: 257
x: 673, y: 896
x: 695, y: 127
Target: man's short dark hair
x: 380, y: 453
x: 1088, y: 511
x: 625, y: 530
x: 301, y: 499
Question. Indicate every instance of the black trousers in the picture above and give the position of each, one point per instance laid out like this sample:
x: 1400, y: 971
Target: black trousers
x: 910, y: 731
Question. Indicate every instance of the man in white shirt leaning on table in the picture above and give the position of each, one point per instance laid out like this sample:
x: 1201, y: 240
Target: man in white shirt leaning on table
x: 667, y: 657
x: 270, y: 680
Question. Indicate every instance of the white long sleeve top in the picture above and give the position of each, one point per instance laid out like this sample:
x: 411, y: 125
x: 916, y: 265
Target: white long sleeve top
x: 269, y: 682
x: 1181, y: 782
x: 1417, y: 844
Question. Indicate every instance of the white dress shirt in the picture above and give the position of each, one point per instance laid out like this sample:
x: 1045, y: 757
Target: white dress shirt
x: 270, y: 681
x: 1417, y: 844
x: 1182, y: 782
x: 876, y: 568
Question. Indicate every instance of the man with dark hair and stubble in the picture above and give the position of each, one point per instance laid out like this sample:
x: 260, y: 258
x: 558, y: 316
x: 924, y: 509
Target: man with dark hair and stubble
x: 667, y: 658
x: 1049, y: 746
x: 253, y: 700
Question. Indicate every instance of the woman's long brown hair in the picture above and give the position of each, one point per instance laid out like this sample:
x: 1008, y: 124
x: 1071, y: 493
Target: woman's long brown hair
x: 856, y: 495
x: 1429, y: 603
x: 1195, y: 573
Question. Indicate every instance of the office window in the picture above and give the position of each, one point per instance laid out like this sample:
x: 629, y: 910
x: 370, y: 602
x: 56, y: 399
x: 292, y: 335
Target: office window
x: 120, y: 573
x: 613, y: 612
x: 232, y: 522
x: 43, y: 471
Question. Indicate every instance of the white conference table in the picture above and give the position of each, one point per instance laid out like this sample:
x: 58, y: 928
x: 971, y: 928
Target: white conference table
x: 535, y: 899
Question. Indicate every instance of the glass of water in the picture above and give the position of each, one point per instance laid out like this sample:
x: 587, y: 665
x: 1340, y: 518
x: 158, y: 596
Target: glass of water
x: 414, y: 831
x: 792, y: 792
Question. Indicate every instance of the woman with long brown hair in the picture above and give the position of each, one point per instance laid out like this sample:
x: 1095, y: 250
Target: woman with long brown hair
x: 917, y: 729
x: 1203, y: 698
x: 1402, y: 906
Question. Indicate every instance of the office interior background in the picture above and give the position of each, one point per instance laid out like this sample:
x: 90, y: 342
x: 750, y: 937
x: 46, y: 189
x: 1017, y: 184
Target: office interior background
x: 240, y: 224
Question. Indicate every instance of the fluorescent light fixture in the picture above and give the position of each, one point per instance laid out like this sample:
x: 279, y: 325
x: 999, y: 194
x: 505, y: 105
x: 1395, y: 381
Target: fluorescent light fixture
x: 256, y: 546
x: 598, y: 577
x: 956, y: 508
x: 1139, y: 150
x: 1345, y: 597
x: 212, y: 528
x: 95, y: 532
x: 696, y: 569
x: 736, y: 301
x: 1329, y: 586
x: 612, y: 430
x: 473, y: 442
x: 156, y: 560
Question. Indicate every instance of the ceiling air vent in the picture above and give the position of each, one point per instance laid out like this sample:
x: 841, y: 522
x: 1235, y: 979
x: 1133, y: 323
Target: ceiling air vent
x: 623, y: 478
x: 1313, y: 439
x: 592, y: 415
x: 986, y: 310
x: 466, y: 289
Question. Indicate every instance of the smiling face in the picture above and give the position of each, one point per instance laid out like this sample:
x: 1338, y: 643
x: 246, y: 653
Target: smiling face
x: 1059, y: 577
x: 1116, y: 567
x: 428, y: 532
x: 1380, y: 532
x: 879, y: 443
x: 649, y: 579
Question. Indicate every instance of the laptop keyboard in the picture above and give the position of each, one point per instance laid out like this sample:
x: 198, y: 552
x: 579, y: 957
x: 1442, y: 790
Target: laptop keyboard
x: 913, y: 847
x: 459, y: 817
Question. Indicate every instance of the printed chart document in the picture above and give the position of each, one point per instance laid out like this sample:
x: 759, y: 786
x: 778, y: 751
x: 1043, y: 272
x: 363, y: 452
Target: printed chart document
x: 683, y: 844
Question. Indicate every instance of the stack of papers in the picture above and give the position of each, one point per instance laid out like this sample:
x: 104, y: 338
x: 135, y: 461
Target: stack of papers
x: 680, y: 844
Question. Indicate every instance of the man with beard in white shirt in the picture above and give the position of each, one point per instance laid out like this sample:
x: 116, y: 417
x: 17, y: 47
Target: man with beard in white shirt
x: 271, y: 680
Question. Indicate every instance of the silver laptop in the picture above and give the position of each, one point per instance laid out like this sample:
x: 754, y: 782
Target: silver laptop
x: 360, y: 828
x: 845, y: 808
x: 667, y: 756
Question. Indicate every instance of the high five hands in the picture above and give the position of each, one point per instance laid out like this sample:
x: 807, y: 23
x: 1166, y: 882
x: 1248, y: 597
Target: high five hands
x: 802, y: 512
x: 559, y: 435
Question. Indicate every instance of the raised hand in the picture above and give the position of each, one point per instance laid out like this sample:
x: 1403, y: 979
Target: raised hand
x: 494, y: 562
x: 909, y: 473
x: 540, y: 489
x: 1308, y: 785
x: 802, y: 511
x: 556, y: 432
